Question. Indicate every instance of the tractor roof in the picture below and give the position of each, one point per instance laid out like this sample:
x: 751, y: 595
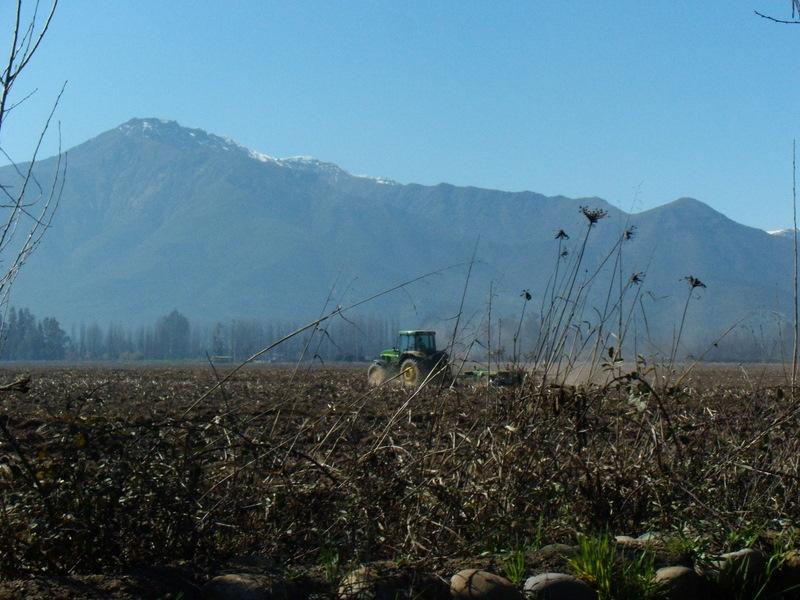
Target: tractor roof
x: 415, y: 331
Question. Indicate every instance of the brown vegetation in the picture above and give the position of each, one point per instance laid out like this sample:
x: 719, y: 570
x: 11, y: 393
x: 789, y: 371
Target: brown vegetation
x: 102, y: 470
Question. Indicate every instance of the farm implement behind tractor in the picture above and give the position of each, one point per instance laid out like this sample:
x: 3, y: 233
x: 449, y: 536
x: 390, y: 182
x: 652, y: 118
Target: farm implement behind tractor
x: 413, y: 358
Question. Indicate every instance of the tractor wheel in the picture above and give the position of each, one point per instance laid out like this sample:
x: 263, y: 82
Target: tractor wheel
x: 411, y: 372
x: 376, y: 375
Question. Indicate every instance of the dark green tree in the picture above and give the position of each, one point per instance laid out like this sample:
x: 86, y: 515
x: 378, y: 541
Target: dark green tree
x: 172, y: 336
x: 54, y: 340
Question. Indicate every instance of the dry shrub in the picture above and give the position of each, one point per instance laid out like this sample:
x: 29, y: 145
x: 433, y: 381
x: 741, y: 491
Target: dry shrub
x: 106, y: 471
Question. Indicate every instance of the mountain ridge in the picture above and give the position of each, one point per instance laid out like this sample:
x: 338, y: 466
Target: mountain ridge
x: 157, y: 216
x: 319, y: 166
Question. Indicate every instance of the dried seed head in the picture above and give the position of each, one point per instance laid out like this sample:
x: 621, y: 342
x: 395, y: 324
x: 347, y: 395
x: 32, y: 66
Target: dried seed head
x: 526, y: 294
x: 593, y: 215
x: 562, y: 235
x: 637, y: 278
x: 629, y: 233
x: 564, y: 253
x: 694, y: 282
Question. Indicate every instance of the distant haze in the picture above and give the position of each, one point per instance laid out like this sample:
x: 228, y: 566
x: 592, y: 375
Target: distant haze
x: 157, y: 217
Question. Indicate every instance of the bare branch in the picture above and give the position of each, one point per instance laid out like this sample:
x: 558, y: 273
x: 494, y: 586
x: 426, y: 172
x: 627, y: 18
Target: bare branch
x: 8, y: 229
x: 763, y: 16
x: 21, y: 100
x: 22, y: 51
x: 29, y: 52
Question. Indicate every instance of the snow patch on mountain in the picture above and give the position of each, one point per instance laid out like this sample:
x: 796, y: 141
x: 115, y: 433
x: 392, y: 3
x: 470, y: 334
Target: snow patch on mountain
x: 165, y: 129
x: 380, y: 180
x: 261, y: 157
x: 781, y: 232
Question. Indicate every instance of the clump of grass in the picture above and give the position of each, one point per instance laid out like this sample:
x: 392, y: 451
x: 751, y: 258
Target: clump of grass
x: 611, y: 574
x: 744, y: 583
x: 514, y: 566
x: 684, y: 546
x: 513, y: 561
x: 331, y: 563
x: 744, y: 538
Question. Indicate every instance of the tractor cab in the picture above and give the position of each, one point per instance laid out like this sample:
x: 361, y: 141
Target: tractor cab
x: 423, y: 342
x: 420, y: 344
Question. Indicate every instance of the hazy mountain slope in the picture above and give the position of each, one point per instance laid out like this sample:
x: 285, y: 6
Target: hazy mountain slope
x: 156, y: 216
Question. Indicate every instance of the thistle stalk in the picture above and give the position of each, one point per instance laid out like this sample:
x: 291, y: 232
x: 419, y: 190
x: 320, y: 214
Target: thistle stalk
x: 794, y: 236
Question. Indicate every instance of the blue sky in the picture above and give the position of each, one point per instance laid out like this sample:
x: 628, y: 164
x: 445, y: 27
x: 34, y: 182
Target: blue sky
x: 636, y: 102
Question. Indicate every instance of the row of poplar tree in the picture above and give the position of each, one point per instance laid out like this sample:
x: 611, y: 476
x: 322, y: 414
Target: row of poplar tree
x: 24, y: 337
x: 173, y: 337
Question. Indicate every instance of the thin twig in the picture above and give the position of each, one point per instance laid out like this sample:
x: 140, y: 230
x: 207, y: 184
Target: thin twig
x: 763, y: 16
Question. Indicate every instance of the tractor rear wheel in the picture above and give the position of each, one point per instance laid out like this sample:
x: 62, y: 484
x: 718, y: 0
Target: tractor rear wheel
x: 411, y: 372
x: 376, y: 375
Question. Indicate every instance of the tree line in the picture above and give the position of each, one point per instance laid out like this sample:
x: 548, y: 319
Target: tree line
x: 173, y: 337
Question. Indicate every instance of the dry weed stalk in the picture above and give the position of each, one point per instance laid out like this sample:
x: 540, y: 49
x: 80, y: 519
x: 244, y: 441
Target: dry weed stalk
x: 432, y: 474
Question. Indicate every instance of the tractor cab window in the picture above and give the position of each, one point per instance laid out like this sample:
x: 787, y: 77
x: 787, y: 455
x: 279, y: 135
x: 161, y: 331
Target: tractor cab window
x: 425, y: 343
x: 405, y: 343
x: 421, y: 342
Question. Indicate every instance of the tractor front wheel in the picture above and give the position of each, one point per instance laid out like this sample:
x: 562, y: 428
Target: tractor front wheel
x: 411, y: 372
x: 376, y: 375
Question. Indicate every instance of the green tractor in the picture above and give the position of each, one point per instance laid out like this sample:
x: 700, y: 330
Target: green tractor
x: 413, y: 357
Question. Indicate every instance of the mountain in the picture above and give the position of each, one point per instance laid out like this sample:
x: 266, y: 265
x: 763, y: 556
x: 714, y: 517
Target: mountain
x: 156, y: 216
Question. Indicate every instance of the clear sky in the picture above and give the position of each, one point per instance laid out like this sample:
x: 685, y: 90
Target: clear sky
x: 638, y: 102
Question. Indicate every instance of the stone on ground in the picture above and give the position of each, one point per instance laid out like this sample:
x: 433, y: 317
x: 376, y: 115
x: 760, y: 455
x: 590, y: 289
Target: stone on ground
x: 245, y: 586
x: 788, y: 575
x: 743, y: 567
x: 382, y: 581
x: 680, y: 583
x: 482, y: 585
x: 558, y: 586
